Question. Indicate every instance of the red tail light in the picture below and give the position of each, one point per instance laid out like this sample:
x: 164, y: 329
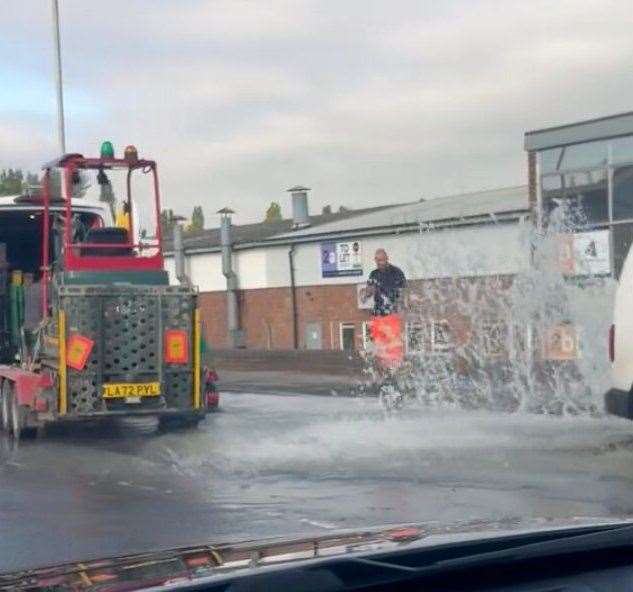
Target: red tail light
x: 612, y: 343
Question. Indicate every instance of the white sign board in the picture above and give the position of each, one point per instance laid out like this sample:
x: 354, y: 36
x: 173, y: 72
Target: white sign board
x: 585, y: 253
x: 364, y: 302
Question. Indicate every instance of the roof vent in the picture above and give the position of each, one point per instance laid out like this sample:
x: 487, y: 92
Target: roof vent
x: 300, y: 215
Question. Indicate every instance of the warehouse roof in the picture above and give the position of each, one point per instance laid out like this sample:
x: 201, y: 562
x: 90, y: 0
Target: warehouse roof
x: 260, y: 231
x: 457, y: 208
x: 465, y: 208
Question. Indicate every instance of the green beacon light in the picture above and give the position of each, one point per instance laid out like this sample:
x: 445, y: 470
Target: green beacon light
x: 107, y: 150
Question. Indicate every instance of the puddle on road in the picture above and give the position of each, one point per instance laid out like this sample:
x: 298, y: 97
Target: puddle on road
x: 343, y: 439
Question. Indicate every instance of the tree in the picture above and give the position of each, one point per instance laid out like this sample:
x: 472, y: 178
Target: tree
x: 273, y: 213
x: 326, y: 209
x: 32, y: 179
x: 11, y: 181
x: 167, y: 223
x: 197, y: 220
x: 14, y: 182
x: 343, y: 209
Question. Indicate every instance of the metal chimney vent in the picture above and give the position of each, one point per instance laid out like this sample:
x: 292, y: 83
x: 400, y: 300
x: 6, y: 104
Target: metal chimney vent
x: 300, y: 216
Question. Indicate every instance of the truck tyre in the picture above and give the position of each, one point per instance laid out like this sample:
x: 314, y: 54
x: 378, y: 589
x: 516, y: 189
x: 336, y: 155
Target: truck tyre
x: 18, y: 420
x: 17, y: 417
x: 5, y: 406
x: 140, y: 425
x: 183, y: 422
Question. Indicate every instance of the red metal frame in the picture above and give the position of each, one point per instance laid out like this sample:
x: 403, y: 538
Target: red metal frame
x: 27, y: 384
x: 73, y: 260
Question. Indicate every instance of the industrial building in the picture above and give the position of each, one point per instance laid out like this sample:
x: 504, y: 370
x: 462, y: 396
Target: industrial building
x: 588, y: 164
x: 298, y: 281
x: 481, y: 299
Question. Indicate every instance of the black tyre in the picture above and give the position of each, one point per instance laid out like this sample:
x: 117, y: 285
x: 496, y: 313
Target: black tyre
x: 19, y: 413
x: 179, y: 422
x: 5, y: 406
x: 17, y: 417
x: 140, y: 425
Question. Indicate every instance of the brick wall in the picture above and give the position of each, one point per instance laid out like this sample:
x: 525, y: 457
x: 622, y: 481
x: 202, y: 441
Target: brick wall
x: 266, y: 314
x: 266, y: 317
x: 329, y: 306
x: 213, y: 315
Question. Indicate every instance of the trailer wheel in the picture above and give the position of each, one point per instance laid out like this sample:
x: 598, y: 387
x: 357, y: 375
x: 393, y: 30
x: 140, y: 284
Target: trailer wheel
x: 17, y: 417
x: 18, y: 420
x: 140, y: 425
x: 5, y: 405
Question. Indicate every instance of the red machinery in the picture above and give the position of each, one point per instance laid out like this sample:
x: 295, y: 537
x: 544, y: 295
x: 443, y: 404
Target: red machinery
x: 113, y: 339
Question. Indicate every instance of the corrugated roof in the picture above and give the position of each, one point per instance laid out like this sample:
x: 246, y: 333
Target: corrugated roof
x: 453, y: 207
x: 260, y: 231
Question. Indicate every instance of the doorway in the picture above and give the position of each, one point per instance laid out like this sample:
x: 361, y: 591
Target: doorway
x: 348, y: 336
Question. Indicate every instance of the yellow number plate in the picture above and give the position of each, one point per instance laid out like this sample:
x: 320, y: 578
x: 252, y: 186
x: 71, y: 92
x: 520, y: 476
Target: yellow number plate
x: 131, y: 389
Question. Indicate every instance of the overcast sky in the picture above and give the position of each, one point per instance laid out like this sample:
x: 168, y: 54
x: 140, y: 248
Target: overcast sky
x: 365, y: 102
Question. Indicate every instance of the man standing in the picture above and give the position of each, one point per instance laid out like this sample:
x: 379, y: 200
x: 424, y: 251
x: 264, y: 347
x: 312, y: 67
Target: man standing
x: 386, y: 284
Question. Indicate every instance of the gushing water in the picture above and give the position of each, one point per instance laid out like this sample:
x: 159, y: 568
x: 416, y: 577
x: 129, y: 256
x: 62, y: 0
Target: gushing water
x: 533, y: 341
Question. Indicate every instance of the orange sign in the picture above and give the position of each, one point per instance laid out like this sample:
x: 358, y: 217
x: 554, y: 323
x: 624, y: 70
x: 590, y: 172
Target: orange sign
x: 561, y: 342
x: 386, y: 332
x: 78, y: 350
x: 176, y: 346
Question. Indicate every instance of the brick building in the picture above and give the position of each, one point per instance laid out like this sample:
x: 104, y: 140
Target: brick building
x: 510, y: 286
x: 469, y: 258
x: 288, y: 297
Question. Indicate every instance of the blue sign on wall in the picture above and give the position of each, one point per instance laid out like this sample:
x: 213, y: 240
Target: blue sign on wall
x: 341, y: 259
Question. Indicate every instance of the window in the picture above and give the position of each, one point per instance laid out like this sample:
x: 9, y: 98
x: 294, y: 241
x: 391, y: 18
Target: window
x: 550, y: 159
x: 440, y: 336
x: 415, y: 337
x: 348, y: 335
x: 622, y: 150
x: 623, y: 193
x: 495, y: 338
x: 585, y: 193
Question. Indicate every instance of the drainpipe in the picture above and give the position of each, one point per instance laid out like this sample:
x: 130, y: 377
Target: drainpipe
x: 179, y: 256
x: 226, y: 242
x: 293, y: 297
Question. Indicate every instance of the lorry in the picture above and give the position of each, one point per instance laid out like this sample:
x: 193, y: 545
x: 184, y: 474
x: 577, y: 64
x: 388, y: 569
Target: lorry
x: 90, y: 327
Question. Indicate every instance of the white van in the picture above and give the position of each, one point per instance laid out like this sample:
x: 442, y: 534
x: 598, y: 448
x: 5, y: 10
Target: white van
x: 619, y: 399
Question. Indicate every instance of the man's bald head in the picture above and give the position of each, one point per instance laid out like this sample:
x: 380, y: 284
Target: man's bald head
x: 381, y: 258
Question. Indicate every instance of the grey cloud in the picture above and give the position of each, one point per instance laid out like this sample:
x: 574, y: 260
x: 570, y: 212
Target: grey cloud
x: 366, y: 102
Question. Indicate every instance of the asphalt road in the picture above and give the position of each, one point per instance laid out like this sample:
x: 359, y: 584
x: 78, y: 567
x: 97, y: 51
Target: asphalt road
x: 274, y: 465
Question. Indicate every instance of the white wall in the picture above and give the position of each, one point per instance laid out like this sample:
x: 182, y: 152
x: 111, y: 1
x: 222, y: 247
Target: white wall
x: 468, y: 251
x: 256, y: 268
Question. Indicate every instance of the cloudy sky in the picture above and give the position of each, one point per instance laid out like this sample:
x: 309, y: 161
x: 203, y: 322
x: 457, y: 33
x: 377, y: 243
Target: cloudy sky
x: 366, y: 102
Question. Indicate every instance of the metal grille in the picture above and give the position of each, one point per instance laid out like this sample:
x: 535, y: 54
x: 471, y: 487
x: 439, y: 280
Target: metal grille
x: 178, y: 387
x: 83, y: 392
x: 126, y: 325
x: 177, y: 378
x: 83, y: 386
x: 130, y: 325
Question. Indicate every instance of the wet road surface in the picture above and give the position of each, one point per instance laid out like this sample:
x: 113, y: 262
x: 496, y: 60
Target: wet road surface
x: 274, y: 465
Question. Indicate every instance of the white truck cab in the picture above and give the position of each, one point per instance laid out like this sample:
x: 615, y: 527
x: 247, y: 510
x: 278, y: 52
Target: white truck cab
x: 619, y: 398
